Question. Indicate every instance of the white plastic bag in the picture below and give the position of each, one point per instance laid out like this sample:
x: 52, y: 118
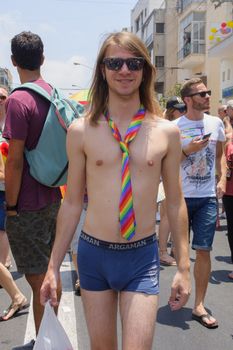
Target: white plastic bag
x: 52, y: 335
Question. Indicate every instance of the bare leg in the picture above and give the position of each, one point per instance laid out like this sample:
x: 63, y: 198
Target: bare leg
x: 9, y: 284
x: 18, y: 300
x: 4, y: 249
x: 138, y: 314
x: 101, y: 317
x: 35, y: 282
x: 202, y: 270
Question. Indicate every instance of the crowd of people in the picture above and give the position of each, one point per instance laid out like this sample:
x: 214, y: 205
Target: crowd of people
x: 115, y: 156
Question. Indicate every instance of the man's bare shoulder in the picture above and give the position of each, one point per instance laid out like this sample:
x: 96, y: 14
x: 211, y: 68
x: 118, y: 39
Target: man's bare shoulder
x: 165, y: 125
x: 78, y: 125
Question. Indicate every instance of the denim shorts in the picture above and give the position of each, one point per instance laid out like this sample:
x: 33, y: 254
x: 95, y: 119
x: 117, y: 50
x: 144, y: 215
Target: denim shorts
x: 202, y: 213
x: 120, y: 267
x: 2, y: 211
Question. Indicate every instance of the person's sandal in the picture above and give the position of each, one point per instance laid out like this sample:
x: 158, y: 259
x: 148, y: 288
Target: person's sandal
x: 13, y: 310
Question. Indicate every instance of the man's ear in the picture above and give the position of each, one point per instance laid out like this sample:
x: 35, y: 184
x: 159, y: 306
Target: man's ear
x: 13, y: 61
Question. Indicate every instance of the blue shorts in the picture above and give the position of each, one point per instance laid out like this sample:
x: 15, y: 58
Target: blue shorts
x: 202, y: 213
x: 2, y: 211
x: 127, y: 266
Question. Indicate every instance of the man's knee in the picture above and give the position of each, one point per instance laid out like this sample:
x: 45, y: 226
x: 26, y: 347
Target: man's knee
x: 35, y: 281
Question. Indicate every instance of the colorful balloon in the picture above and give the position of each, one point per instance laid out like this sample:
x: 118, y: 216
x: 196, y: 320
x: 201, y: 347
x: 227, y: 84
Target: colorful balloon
x: 211, y: 37
x: 213, y: 30
x: 230, y: 24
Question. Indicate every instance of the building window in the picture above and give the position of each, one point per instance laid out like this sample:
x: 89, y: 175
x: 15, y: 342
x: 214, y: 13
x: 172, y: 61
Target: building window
x: 159, y: 28
x: 223, y: 76
x: 228, y: 74
x: 137, y: 24
x: 159, y: 87
x: 159, y: 61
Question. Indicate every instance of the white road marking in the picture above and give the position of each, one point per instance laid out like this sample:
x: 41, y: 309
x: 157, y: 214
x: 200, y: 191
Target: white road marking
x: 66, y: 311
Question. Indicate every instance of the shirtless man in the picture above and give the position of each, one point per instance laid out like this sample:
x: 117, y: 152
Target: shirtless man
x: 112, y: 268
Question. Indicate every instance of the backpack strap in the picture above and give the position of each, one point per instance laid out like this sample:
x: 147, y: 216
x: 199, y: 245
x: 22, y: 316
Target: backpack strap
x: 36, y: 88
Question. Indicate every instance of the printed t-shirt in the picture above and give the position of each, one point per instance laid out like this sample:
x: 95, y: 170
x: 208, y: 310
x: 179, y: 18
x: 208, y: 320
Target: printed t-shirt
x: 198, y: 169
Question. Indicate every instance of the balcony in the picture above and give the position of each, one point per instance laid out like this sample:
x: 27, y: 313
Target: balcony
x: 191, y: 55
x: 149, y: 40
x: 183, y: 5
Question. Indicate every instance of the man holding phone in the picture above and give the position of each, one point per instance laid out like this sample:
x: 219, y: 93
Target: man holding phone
x: 202, y: 148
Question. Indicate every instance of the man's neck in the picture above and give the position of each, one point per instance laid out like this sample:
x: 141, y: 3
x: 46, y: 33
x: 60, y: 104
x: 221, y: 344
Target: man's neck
x: 193, y: 114
x: 27, y: 76
x: 123, y: 109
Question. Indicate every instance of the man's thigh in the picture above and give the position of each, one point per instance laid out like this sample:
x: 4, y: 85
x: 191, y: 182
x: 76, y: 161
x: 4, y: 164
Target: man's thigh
x: 138, y: 315
x: 101, y: 317
x: 31, y: 236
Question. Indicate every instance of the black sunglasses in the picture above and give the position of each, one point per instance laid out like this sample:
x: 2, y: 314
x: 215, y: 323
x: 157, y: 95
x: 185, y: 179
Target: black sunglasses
x: 201, y: 93
x: 116, y: 63
x: 2, y: 98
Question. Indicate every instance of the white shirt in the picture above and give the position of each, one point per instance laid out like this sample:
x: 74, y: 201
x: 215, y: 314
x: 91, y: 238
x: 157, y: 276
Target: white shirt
x: 198, y: 169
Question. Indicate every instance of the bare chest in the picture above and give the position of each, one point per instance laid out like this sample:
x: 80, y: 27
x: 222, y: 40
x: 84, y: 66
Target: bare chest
x: 146, y: 150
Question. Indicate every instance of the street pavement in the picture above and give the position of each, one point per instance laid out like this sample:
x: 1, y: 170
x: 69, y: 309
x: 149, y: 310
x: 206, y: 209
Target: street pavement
x: 174, y: 330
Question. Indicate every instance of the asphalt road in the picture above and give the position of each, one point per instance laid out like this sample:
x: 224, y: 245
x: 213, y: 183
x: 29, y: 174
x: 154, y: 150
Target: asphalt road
x: 174, y: 330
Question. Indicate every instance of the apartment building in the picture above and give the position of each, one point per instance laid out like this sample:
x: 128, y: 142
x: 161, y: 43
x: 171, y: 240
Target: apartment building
x: 186, y: 39
x: 221, y: 50
x: 202, y: 31
x: 191, y: 53
x: 148, y: 23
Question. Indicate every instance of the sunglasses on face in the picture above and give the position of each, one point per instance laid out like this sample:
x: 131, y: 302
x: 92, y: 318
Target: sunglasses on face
x: 116, y: 63
x: 3, y: 98
x: 201, y: 93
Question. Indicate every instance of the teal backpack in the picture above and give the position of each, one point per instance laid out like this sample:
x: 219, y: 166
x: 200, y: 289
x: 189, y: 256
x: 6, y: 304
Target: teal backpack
x: 48, y: 160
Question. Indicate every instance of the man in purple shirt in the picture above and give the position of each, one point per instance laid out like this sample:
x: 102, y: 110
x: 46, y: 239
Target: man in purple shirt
x: 31, y: 207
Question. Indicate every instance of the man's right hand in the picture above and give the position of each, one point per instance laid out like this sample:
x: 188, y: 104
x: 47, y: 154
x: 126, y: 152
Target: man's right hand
x: 49, y: 286
x: 196, y: 145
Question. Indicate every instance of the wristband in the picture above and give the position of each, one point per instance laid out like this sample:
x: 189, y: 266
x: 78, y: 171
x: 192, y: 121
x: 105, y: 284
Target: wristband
x: 10, y: 207
x: 185, y: 154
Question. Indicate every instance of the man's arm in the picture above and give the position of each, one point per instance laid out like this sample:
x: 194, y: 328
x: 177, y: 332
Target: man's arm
x: 13, y: 172
x: 177, y: 215
x: 196, y: 145
x: 2, y: 171
x: 221, y: 168
x: 70, y: 210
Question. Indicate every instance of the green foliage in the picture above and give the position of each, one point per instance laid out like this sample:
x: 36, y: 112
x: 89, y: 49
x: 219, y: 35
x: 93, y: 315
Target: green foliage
x: 174, y: 91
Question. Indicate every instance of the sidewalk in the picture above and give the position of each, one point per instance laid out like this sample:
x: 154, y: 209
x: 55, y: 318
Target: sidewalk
x: 176, y: 330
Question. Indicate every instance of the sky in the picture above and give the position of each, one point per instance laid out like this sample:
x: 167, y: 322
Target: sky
x: 71, y: 30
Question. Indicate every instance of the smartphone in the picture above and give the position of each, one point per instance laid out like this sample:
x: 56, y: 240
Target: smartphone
x: 206, y: 136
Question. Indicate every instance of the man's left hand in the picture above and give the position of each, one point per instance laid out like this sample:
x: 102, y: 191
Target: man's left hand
x: 180, y: 290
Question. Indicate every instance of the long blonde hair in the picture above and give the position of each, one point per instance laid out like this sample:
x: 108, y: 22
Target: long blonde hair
x: 98, y: 94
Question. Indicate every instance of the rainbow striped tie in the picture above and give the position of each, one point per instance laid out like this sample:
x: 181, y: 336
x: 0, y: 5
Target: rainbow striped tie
x: 127, y: 215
